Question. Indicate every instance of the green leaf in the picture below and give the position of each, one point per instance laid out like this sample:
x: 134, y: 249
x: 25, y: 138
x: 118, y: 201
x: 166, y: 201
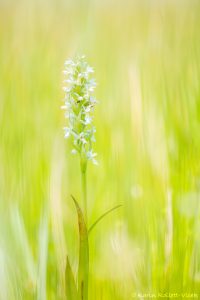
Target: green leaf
x: 101, y: 217
x: 71, y: 290
x: 83, y: 268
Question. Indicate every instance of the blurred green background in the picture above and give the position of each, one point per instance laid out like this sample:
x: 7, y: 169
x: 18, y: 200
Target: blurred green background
x: 146, y: 56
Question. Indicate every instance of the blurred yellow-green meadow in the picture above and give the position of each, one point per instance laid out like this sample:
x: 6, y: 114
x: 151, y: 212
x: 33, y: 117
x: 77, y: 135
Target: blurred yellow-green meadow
x: 146, y: 58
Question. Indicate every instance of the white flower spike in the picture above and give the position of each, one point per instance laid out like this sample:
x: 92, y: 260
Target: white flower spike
x: 79, y: 104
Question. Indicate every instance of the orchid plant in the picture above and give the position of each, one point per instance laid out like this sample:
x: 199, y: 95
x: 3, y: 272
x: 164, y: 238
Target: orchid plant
x: 79, y: 104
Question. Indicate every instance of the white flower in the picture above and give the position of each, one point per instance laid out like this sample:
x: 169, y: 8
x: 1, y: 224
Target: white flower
x: 69, y: 115
x: 89, y: 70
x: 69, y: 62
x: 92, y: 82
x: 67, y: 131
x: 82, y: 137
x: 69, y: 81
x: 93, y: 139
x: 74, y: 151
x: 91, y: 156
x: 66, y: 89
x: 93, y: 100
x: 66, y: 72
x: 88, y: 120
x: 87, y: 109
x: 81, y: 75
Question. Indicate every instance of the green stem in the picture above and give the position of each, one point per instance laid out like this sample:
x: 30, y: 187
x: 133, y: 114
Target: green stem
x: 84, y: 188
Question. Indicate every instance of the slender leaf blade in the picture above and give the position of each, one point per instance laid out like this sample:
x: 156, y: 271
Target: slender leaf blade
x: 71, y: 289
x: 83, y: 268
x: 102, y: 216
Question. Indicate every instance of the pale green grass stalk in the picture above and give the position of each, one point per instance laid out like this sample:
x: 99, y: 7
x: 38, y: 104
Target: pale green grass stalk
x: 24, y: 246
x: 4, y: 291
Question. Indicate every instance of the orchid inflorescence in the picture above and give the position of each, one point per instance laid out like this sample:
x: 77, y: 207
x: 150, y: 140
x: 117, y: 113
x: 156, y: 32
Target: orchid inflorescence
x: 79, y: 104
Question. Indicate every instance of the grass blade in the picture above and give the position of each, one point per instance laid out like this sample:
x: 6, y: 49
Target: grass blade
x: 71, y: 290
x: 21, y: 237
x: 43, y: 256
x: 83, y: 268
x: 101, y: 217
